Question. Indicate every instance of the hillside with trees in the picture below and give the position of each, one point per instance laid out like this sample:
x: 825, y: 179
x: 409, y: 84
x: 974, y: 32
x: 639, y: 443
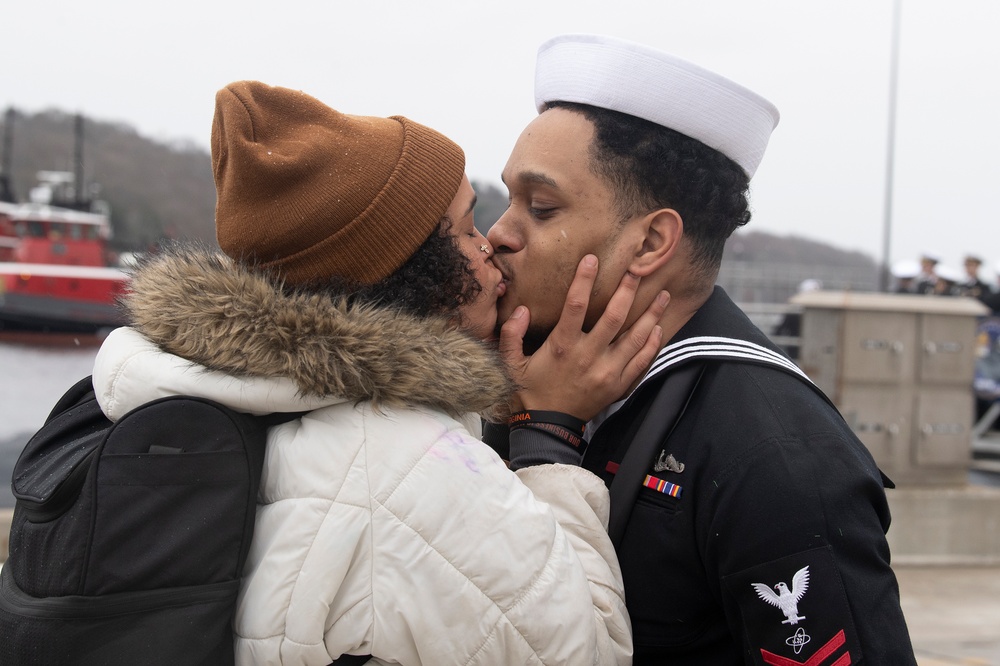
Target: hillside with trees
x: 154, y: 190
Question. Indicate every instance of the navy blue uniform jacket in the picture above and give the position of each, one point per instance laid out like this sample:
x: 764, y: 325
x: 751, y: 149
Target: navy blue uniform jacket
x: 759, y: 538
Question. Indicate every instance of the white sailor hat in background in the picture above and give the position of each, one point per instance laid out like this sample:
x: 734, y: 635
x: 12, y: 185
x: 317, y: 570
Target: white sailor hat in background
x: 810, y: 284
x: 656, y: 86
x: 949, y: 273
x: 905, y: 269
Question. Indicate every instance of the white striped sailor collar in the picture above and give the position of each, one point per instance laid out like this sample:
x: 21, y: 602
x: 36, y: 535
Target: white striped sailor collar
x: 744, y: 342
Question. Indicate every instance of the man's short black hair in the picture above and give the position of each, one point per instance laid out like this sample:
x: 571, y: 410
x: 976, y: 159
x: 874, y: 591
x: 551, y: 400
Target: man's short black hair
x: 649, y: 166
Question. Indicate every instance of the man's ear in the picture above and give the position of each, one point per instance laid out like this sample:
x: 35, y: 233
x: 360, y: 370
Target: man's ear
x: 663, y: 230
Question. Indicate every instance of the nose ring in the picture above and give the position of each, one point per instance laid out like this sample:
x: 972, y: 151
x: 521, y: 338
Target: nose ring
x: 485, y: 248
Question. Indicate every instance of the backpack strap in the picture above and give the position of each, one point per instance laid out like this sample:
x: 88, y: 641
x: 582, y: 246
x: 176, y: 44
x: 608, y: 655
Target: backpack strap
x: 277, y: 418
x: 668, y: 406
x: 351, y: 659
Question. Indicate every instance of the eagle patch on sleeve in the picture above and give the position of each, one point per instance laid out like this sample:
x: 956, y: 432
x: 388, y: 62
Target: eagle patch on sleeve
x: 795, y: 611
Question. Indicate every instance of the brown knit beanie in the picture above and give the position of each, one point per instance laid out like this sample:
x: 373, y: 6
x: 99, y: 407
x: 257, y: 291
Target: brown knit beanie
x: 311, y: 193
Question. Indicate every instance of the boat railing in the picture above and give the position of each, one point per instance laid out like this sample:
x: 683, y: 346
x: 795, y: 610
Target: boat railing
x: 768, y: 317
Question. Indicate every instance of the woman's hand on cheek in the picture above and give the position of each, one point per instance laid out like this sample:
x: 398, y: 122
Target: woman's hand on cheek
x: 580, y: 373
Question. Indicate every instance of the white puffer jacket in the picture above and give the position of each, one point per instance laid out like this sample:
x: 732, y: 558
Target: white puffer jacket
x: 383, y: 528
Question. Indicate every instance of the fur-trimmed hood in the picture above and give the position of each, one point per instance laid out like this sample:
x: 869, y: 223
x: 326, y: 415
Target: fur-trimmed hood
x: 202, y: 306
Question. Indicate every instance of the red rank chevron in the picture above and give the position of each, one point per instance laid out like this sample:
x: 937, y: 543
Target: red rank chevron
x: 818, y: 658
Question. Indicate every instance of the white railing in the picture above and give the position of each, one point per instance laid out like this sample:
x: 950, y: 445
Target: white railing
x: 768, y: 316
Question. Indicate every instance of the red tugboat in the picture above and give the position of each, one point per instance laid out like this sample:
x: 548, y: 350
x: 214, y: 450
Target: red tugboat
x: 55, y: 273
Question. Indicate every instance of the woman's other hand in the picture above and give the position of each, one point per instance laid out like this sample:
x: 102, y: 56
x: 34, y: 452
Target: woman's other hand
x: 576, y: 372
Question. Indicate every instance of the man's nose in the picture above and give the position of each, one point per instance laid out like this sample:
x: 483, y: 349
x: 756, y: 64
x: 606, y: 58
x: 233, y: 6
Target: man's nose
x: 502, y: 235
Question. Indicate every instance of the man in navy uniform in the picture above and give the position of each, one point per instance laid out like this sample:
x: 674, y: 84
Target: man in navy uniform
x: 972, y: 286
x: 755, y: 531
x: 927, y: 279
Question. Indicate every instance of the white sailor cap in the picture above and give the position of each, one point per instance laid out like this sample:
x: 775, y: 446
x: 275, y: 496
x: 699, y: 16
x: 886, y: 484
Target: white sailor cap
x: 631, y: 78
x: 905, y: 269
x: 949, y: 273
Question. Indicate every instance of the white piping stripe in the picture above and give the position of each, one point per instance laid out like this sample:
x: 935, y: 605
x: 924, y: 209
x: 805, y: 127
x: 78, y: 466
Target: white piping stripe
x: 721, y: 353
x: 715, y: 350
x: 695, y: 347
x: 722, y: 347
x: 725, y: 341
x: 666, y: 352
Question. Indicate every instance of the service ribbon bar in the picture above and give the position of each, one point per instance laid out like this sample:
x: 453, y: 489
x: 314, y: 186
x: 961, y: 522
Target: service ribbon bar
x: 662, y: 486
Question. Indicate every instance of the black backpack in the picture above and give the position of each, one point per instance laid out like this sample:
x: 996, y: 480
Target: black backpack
x: 129, y: 538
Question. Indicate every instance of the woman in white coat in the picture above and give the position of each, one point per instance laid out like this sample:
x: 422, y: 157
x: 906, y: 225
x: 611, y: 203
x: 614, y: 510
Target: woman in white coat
x: 354, y: 287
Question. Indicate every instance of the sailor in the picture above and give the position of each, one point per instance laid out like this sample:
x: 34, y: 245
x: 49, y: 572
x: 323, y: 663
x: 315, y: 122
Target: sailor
x: 754, y: 529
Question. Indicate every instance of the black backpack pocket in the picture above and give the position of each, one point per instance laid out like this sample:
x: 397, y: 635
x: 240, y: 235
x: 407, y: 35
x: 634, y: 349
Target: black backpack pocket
x: 169, y: 627
x: 158, y: 520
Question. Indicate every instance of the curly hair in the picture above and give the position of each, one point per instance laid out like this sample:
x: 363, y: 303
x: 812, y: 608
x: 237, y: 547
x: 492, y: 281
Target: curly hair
x: 649, y: 166
x: 437, y: 279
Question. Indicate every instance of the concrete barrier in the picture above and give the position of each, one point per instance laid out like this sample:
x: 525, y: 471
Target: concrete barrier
x: 949, y: 526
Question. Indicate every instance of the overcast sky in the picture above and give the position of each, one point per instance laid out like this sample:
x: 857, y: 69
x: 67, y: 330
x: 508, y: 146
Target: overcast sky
x: 466, y: 69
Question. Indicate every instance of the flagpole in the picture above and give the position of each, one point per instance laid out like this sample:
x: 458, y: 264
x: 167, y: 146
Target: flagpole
x: 891, y: 148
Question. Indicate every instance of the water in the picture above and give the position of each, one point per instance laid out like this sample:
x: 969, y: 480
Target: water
x: 33, y: 375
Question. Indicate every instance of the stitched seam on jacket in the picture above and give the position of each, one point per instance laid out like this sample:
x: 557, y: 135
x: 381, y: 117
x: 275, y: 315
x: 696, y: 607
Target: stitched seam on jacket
x: 503, y: 612
x: 371, y: 531
x: 298, y: 576
x: 751, y: 449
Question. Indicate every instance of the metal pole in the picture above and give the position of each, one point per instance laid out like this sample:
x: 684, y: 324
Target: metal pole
x: 79, y: 194
x: 6, y: 170
x: 891, y: 150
